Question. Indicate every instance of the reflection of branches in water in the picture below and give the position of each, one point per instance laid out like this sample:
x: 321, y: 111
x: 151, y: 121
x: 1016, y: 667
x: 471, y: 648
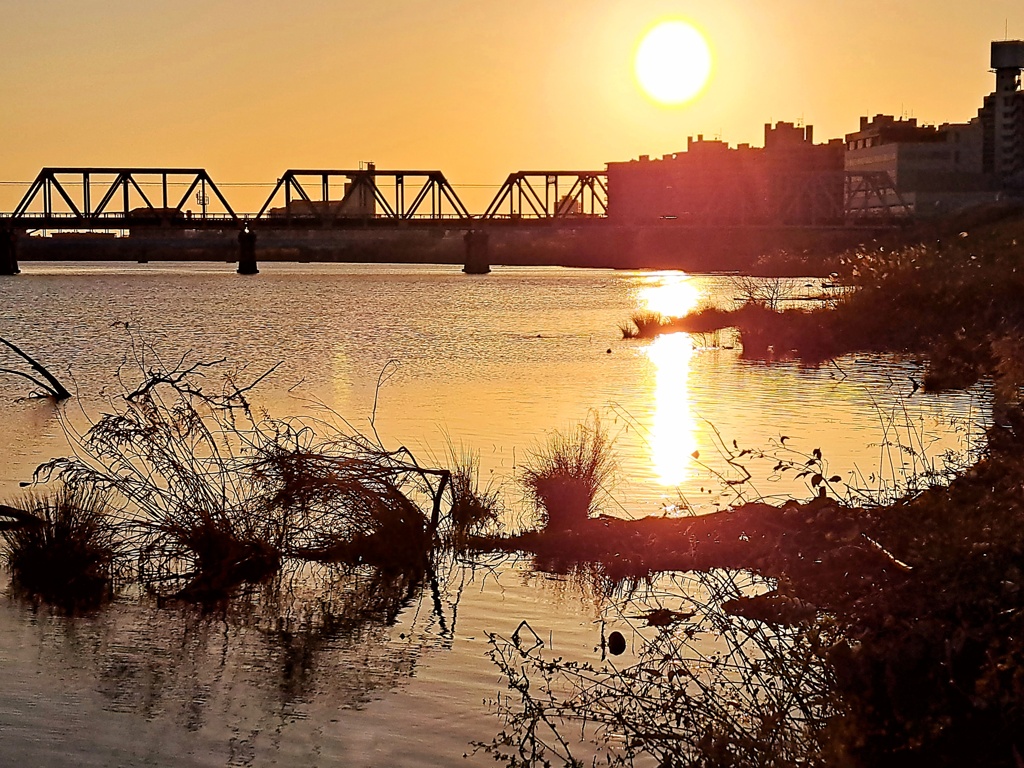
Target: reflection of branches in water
x: 319, y: 610
x: 705, y: 688
x: 317, y: 632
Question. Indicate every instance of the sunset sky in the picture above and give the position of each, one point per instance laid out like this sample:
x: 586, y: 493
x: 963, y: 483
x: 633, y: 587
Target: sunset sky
x: 476, y: 89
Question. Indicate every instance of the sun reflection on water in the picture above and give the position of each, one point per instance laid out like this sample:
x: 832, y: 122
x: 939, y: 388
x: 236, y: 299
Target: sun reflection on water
x: 673, y: 436
x: 674, y: 431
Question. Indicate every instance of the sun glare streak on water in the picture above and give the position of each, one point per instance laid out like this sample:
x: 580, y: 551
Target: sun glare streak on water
x: 671, y: 294
x: 673, y: 432
x: 673, y: 435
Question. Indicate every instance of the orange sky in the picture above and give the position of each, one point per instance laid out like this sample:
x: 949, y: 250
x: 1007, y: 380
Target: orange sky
x: 477, y: 88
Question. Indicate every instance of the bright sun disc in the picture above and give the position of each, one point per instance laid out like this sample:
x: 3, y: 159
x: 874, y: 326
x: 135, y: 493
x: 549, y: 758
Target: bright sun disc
x: 673, y: 62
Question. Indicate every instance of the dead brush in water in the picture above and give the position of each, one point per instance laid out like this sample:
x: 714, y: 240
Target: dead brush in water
x: 565, y: 477
x: 704, y: 688
x: 211, y: 495
x: 65, y: 555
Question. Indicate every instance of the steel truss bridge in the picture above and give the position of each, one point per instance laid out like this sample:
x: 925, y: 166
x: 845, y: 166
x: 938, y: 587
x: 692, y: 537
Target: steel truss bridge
x: 146, y: 200
x: 128, y: 198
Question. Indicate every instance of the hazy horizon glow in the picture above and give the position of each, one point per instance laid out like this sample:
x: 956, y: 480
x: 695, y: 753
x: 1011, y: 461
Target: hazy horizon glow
x: 477, y: 90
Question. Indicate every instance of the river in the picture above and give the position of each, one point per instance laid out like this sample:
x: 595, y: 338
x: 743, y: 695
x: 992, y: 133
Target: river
x: 488, y: 363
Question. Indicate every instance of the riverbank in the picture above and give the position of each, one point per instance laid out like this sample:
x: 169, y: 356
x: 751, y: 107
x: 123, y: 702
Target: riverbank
x: 927, y: 595
x: 954, y: 299
x: 926, y: 592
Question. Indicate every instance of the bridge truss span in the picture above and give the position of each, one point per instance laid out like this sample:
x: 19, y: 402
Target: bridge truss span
x: 119, y: 198
x: 333, y: 197
x: 551, y: 195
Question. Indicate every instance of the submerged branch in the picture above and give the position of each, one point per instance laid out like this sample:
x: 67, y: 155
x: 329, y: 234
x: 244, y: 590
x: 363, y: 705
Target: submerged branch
x: 54, y: 388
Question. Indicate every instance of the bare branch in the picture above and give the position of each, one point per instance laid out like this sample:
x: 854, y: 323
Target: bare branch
x: 54, y: 388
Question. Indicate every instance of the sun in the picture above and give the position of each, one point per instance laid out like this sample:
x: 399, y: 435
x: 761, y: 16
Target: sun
x: 673, y: 62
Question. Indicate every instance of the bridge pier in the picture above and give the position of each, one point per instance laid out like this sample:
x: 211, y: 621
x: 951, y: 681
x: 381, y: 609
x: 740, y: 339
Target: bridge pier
x: 477, y: 257
x: 247, y: 252
x: 8, y: 252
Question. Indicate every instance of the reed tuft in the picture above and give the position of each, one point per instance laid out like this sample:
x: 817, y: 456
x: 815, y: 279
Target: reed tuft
x: 644, y: 324
x: 565, y: 477
x: 67, y: 558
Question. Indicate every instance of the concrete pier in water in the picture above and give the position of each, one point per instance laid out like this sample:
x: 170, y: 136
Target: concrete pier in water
x: 247, y: 252
x: 8, y: 252
x: 477, y: 253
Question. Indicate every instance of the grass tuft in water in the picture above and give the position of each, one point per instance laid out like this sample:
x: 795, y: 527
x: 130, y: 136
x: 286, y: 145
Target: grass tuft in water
x: 565, y: 477
x: 474, y: 509
x: 67, y: 557
x: 643, y: 325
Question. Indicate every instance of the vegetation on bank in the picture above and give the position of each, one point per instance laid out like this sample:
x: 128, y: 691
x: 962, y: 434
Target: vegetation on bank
x: 870, y: 636
x: 948, y: 293
x: 904, y: 622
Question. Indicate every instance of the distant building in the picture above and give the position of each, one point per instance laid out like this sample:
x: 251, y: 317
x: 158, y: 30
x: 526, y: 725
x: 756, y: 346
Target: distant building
x: 790, y: 180
x: 935, y: 169
x: 1002, y: 116
x: 930, y: 169
x: 569, y: 206
x: 358, y: 201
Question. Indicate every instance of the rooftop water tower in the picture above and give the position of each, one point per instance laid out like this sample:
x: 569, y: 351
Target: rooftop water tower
x: 1007, y: 61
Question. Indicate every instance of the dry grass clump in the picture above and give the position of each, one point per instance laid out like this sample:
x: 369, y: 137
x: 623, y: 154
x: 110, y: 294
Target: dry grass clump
x: 644, y: 324
x: 67, y: 556
x: 374, y: 522
x: 344, y: 491
x: 565, y: 477
x: 473, y: 508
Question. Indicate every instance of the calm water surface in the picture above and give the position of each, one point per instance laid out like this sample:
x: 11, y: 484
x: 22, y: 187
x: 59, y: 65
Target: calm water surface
x: 491, y: 363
